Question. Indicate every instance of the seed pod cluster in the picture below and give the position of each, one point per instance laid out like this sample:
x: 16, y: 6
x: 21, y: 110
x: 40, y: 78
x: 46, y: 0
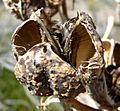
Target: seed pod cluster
x: 49, y: 64
x: 23, y: 9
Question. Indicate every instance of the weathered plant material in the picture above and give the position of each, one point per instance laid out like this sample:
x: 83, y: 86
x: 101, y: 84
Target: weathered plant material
x: 45, y: 68
x: 23, y: 9
x: 71, y: 102
x: 112, y: 72
x: 108, y: 92
x: 67, y: 58
x: 111, y: 52
x: 116, y: 54
x: 108, y: 45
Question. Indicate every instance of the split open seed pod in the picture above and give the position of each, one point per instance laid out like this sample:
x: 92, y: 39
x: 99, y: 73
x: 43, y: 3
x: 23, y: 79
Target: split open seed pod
x: 47, y: 67
x: 38, y: 61
x: 108, y: 92
x: 83, y: 47
x: 27, y: 35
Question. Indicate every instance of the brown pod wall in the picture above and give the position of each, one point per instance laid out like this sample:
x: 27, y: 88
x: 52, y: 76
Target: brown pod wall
x: 47, y: 70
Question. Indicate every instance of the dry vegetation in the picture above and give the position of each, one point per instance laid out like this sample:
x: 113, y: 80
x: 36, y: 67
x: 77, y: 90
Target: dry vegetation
x: 18, y: 99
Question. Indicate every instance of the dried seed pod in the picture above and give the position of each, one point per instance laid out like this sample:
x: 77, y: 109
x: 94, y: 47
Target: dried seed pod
x: 114, y: 92
x: 31, y: 32
x: 81, y: 36
x: 116, y: 54
x: 91, y: 64
x: 45, y: 73
x: 112, y: 75
x: 44, y: 60
x: 26, y: 36
x: 23, y: 9
x: 111, y: 54
x: 83, y: 47
x: 108, y: 92
x: 50, y: 75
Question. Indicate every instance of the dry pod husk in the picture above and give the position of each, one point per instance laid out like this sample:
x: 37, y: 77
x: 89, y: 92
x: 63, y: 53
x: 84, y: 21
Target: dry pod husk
x: 45, y: 68
x: 112, y: 72
x: 111, y: 53
x: 23, y: 9
x: 116, y: 54
x: 105, y: 88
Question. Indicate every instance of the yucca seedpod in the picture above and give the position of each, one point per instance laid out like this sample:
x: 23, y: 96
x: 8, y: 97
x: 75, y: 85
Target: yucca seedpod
x: 112, y: 72
x: 83, y: 47
x: 41, y: 70
x: 112, y: 50
x: 112, y: 75
x: 23, y: 9
x: 61, y: 66
x: 39, y: 67
x: 108, y: 92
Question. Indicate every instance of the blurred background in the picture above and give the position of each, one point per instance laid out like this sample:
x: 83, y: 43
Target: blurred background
x: 13, y: 97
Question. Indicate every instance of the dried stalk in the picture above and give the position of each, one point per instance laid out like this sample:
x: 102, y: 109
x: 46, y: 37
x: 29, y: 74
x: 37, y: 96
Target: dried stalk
x: 109, y: 27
